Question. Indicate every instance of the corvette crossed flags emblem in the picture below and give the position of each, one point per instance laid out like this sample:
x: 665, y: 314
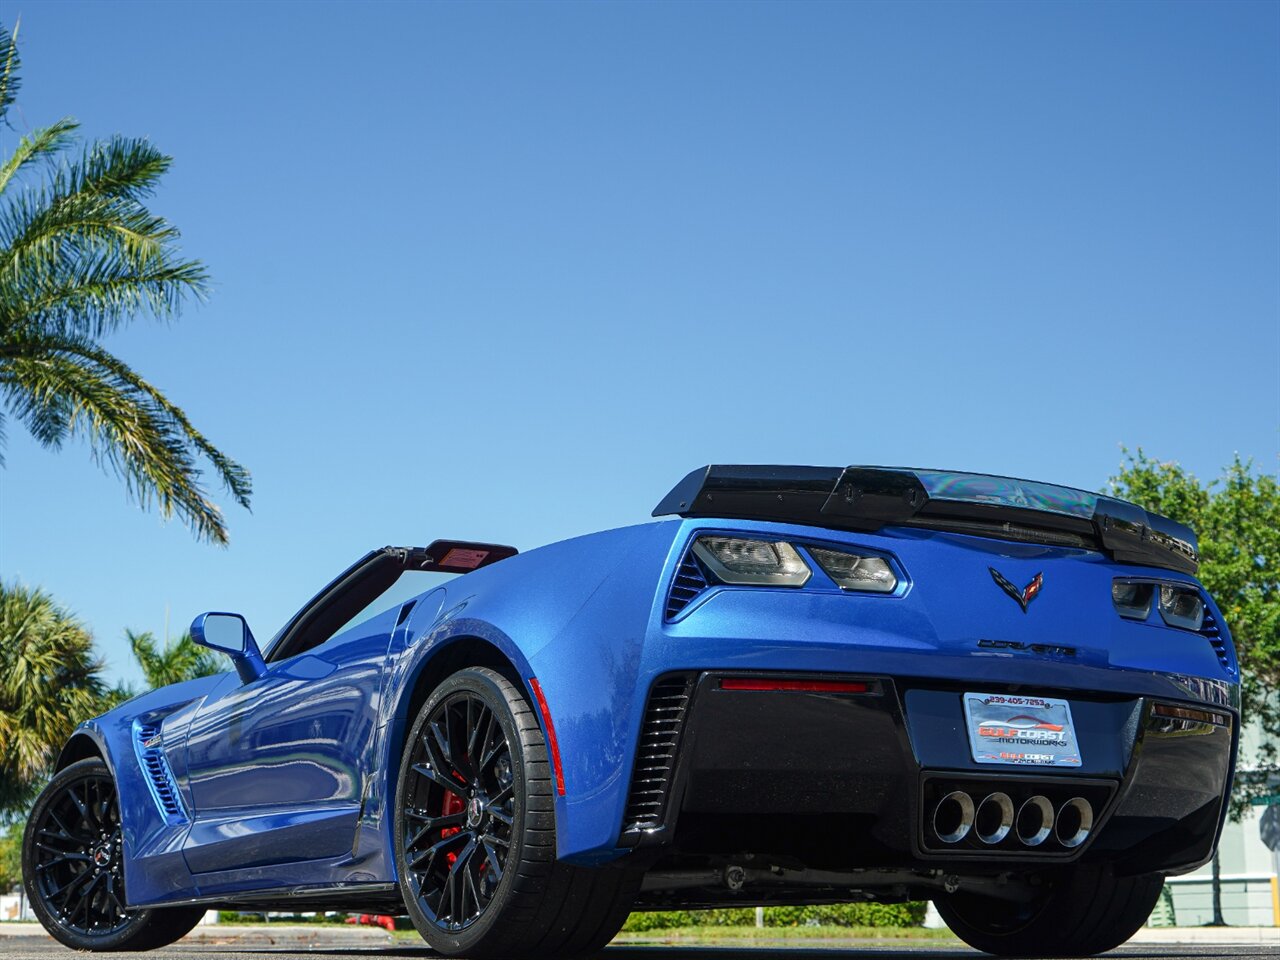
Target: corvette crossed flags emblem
x: 1023, y: 596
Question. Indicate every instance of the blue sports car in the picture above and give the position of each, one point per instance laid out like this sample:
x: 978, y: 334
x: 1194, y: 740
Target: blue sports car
x: 800, y: 685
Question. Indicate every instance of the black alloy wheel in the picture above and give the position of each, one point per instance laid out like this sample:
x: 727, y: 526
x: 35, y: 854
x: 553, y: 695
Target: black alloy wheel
x: 79, y: 862
x: 475, y: 837
x: 73, y: 867
x: 459, y: 807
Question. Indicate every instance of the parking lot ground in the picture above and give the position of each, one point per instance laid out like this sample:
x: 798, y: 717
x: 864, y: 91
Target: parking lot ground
x: 277, y: 944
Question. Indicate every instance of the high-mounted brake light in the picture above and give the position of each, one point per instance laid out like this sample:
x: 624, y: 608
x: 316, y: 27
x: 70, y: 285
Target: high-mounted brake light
x: 800, y: 686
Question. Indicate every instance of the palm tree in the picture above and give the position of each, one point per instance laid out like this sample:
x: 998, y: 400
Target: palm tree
x: 177, y: 660
x: 50, y: 681
x: 82, y: 256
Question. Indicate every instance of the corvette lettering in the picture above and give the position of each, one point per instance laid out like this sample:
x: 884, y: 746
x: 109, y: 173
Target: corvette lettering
x: 1041, y: 648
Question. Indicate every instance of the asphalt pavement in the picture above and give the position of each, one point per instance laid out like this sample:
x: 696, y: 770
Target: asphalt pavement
x: 42, y: 948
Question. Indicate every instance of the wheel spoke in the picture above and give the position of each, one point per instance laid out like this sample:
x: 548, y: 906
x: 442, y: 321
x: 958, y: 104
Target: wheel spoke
x: 498, y: 805
x: 86, y: 896
x: 80, y: 805
x: 61, y: 858
x: 434, y: 824
x: 472, y: 888
x: 434, y: 849
x: 436, y: 777
x: 65, y: 830
x: 100, y: 806
x: 62, y: 895
x: 457, y: 872
x: 441, y: 757
x: 504, y: 794
x: 115, y: 898
x: 60, y: 837
x: 494, y: 747
x: 474, y: 744
x: 491, y: 858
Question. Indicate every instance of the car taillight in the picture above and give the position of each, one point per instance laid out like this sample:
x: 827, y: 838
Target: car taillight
x: 853, y: 571
x: 738, y: 560
x: 1181, y: 607
x: 1132, y: 598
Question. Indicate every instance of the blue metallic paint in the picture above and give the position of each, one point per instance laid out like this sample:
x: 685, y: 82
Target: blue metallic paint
x: 285, y: 780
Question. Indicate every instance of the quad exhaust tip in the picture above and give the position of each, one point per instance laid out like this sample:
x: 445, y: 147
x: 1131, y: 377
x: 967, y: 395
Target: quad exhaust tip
x: 1075, y: 822
x: 994, y: 818
x: 953, y: 817
x: 1035, y: 821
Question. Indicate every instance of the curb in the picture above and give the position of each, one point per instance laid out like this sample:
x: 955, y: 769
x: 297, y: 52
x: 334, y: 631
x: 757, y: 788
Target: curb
x: 256, y: 935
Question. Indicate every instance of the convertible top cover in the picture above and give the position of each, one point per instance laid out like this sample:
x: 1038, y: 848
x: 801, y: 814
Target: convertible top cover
x: 868, y: 498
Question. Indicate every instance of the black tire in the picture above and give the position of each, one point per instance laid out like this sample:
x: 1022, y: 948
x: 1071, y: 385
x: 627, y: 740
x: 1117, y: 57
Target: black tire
x: 72, y: 866
x: 1086, y: 911
x: 538, y: 906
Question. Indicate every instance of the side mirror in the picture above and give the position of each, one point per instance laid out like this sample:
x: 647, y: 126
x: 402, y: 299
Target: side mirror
x: 229, y: 633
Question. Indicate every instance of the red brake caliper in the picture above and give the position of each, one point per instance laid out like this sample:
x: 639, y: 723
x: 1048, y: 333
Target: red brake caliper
x: 452, y: 804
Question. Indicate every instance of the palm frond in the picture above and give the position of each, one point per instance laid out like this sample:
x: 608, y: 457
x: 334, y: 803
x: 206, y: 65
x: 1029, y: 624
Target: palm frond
x: 43, y: 143
x: 126, y: 168
x: 95, y: 200
x: 98, y: 292
x: 80, y: 256
x: 9, y: 66
x: 178, y: 660
x: 42, y: 233
x: 65, y: 386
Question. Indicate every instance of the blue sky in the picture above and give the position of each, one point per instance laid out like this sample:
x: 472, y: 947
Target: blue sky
x: 509, y: 271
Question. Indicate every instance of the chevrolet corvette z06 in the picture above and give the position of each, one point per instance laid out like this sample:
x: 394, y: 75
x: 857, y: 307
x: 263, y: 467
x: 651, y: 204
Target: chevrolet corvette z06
x: 799, y: 685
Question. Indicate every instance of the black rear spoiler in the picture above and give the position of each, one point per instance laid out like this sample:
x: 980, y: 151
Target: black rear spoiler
x: 867, y: 498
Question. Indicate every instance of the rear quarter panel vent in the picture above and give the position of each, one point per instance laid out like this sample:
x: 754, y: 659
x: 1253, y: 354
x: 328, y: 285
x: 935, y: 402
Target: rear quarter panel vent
x: 656, y: 751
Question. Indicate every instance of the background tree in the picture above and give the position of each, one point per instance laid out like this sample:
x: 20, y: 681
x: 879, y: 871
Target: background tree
x: 179, y: 659
x: 11, y: 856
x: 50, y: 681
x: 80, y: 257
x: 1237, y: 520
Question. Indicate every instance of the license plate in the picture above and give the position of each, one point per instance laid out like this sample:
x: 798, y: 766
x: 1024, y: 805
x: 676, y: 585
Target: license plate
x: 1024, y: 731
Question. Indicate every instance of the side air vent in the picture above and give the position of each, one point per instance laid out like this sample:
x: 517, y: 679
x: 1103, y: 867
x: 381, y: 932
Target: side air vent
x: 156, y: 767
x: 656, y: 752
x: 689, y: 581
x: 1213, y: 632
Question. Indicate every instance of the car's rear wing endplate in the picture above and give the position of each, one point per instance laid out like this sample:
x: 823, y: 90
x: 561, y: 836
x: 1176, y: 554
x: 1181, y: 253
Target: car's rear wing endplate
x: 867, y: 498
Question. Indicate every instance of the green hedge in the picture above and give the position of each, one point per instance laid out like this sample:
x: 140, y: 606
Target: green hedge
x: 836, y: 915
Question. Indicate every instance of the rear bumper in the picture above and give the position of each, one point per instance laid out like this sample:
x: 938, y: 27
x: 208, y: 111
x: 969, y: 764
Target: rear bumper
x: 841, y: 780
